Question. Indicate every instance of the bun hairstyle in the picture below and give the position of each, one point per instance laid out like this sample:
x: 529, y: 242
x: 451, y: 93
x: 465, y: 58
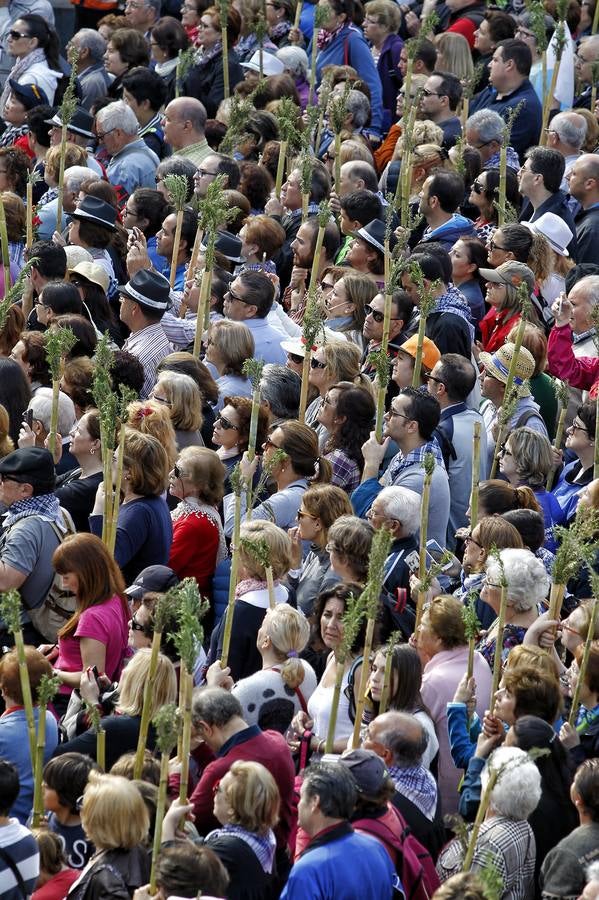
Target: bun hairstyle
x: 288, y: 631
x: 300, y: 443
x: 498, y: 497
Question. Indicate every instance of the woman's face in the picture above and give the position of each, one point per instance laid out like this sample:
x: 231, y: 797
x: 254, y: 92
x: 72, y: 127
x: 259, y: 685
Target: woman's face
x: 496, y: 294
x: 377, y: 678
x: 208, y: 35
x: 403, y: 369
x: 212, y: 352
x: 19, y: 43
x: 482, y: 38
x: 331, y: 624
x: 157, y: 54
x: 474, y: 554
x: 327, y: 415
x: 309, y: 526
x: 70, y: 582
x: 504, y: 705
x: 180, y: 484
x: 571, y: 630
x: 507, y: 463
x: 226, y: 428
x: 74, y: 233
x: 462, y: 268
x: 588, y: 497
x: 496, y: 249
x: 318, y: 376
x: 14, y: 111
x: 273, y: 442
x: 140, y: 619
x: 189, y: 14
x: 113, y: 62
x: 578, y: 440
x: 82, y: 442
x: 427, y: 642
x: 338, y: 303
x: 222, y: 810
x: 358, y: 256
x: 491, y: 593
x: 477, y: 195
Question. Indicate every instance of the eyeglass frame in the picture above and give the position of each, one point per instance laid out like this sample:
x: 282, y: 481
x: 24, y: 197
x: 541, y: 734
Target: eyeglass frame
x: 377, y: 315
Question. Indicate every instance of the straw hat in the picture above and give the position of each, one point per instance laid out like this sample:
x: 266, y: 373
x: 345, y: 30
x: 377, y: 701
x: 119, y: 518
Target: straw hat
x: 498, y: 365
x: 92, y: 272
x: 297, y: 348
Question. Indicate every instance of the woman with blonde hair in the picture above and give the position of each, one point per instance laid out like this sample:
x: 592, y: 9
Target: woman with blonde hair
x: 331, y: 363
x: 144, y: 530
x: 115, y: 819
x: 122, y: 727
x: 271, y: 697
x: 197, y: 480
x: 229, y: 345
x: 153, y: 417
x: 259, y: 540
x: 345, y: 305
x: 453, y: 55
x: 246, y: 804
x: 182, y: 398
x: 297, y: 464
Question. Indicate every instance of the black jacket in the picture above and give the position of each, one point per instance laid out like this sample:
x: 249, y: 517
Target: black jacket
x: 248, y: 881
x: 558, y: 204
x: 116, y: 874
x: 587, y: 235
x: 206, y: 82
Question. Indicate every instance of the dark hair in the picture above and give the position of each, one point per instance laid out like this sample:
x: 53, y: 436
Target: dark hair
x: 441, y: 254
x: 281, y: 388
x: 189, y: 228
x: 68, y: 774
x: 95, y: 235
x: 189, y: 870
x: 426, y: 53
x: 97, y: 304
x: 331, y: 238
x: 127, y: 370
x: 256, y: 184
x: 497, y: 497
x: 37, y: 119
x: 51, y: 260
x: 83, y: 330
x: 145, y: 84
x: 243, y: 408
x: 519, y: 52
x: 320, y: 185
x: 431, y: 266
x: 151, y: 205
x: 47, y: 38
x: 491, y: 193
x: 501, y: 25
x: 342, y: 592
x: 353, y: 9
x: 406, y: 671
x: 530, y: 524
x: 259, y: 291
x: 548, y: 163
x: 103, y: 190
x: 187, y: 364
x: 458, y: 375
x: 221, y: 279
x: 448, y: 188
x: 518, y: 240
x: 15, y: 393
x: 362, y: 206
x: 424, y: 409
x: 587, y: 411
x: 586, y: 785
x: 477, y: 254
x: 9, y: 786
x: 170, y: 36
x: 333, y: 784
x: 131, y: 46
x: 229, y: 167
x: 357, y: 405
x: 553, y: 766
x: 273, y: 88
x: 262, y: 127
x: 62, y: 297
x: 450, y: 87
x: 403, y: 304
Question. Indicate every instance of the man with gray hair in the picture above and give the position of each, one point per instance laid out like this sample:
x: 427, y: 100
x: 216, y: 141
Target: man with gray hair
x: 41, y: 409
x: 132, y: 163
x: 586, y: 57
x: 484, y: 132
x: 184, y: 124
x: 73, y: 179
x: 401, y: 740
x: 280, y: 391
x: 92, y: 77
x: 142, y: 15
x: 566, y: 134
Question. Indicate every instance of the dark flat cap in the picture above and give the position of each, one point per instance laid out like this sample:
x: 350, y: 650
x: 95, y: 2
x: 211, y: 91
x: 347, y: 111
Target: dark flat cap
x: 31, y: 465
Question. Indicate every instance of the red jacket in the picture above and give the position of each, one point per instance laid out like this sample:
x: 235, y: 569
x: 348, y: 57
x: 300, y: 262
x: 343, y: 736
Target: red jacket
x: 580, y: 372
x: 495, y: 327
x: 266, y: 747
x: 194, y: 549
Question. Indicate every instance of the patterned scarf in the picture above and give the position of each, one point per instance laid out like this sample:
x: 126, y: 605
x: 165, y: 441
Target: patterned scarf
x: 12, y: 134
x: 191, y: 506
x: 513, y: 160
x: 418, y: 785
x: 208, y: 55
x: 19, y: 69
x: 246, y: 585
x: 325, y: 37
x: 401, y: 462
x: 263, y: 845
x: 44, y: 506
x: 280, y: 30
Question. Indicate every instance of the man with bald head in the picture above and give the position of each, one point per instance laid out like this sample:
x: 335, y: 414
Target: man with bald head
x: 184, y: 124
x: 586, y: 57
x: 583, y: 182
x: 400, y: 740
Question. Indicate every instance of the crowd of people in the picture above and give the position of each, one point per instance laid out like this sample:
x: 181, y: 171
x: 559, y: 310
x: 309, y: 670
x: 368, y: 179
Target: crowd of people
x: 318, y: 768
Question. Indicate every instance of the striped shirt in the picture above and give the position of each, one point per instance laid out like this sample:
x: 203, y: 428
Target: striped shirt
x: 150, y: 346
x: 18, y: 843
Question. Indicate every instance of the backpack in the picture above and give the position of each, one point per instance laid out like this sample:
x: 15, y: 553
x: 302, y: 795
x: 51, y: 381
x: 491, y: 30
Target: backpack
x: 416, y: 873
x: 59, y: 605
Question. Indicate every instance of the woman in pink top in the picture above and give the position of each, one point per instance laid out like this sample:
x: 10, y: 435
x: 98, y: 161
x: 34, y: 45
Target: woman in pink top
x: 97, y: 632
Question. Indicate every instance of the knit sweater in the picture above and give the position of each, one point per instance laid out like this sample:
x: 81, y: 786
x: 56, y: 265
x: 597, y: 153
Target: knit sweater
x: 268, y: 702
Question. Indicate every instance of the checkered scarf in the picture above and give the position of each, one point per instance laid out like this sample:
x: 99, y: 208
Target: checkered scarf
x: 263, y: 845
x: 418, y: 785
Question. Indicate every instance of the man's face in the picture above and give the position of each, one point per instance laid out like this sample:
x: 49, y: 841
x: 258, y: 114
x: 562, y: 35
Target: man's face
x: 373, y: 323
x: 305, y: 811
x: 346, y: 183
x: 174, y: 127
x: 234, y: 306
x: 132, y: 103
x: 291, y: 193
x: 398, y: 424
x: 139, y: 14
x: 11, y: 491
x: 302, y: 247
x: 432, y: 103
x: 577, y: 181
x: 434, y: 380
x: 580, y: 317
x: 583, y: 62
x: 498, y: 69
x: 528, y: 181
x: 403, y: 62
x: 486, y: 149
x: 205, y: 175
x: 409, y: 287
x: 126, y: 310
x: 165, y: 238
x: 372, y: 738
x: 111, y: 140
x: 491, y: 388
x: 425, y: 207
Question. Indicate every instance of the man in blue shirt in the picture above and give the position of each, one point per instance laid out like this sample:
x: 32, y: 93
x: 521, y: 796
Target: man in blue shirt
x: 509, y: 85
x: 249, y: 300
x: 338, y: 862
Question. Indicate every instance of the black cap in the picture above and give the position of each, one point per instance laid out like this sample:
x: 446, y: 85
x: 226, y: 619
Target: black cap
x: 368, y: 769
x: 82, y: 122
x: 92, y: 209
x: 228, y: 244
x: 29, y: 95
x: 30, y: 465
x: 374, y: 234
x: 148, y: 289
x: 152, y: 579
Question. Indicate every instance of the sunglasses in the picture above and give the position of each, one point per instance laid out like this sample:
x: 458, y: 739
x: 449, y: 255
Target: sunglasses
x: 178, y: 473
x: 134, y: 625
x: 224, y: 423
x: 295, y: 358
x: 495, y: 246
x: 268, y: 443
x: 477, y: 187
x: 16, y: 35
x: 315, y: 364
x: 376, y: 315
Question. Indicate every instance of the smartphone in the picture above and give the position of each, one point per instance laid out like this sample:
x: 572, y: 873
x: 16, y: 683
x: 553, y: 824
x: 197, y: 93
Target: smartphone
x: 436, y: 552
x: 28, y: 417
x: 96, y: 674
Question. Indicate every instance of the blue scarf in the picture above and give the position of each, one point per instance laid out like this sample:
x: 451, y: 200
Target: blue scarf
x: 44, y: 506
x: 453, y: 301
x: 401, y: 462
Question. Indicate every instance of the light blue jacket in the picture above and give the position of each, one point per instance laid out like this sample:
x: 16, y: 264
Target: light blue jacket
x: 134, y: 166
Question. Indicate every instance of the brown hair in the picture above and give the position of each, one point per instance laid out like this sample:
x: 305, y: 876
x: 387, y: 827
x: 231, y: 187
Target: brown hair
x: 536, y: 693
x: 243, y: 408
x: 498, y: 497
x: 16, y: 215
x: 527, y: 656
x: 181, y: 361
x: 17, y: 167
x: 492, y: 532
x: 10, y: 679
x: 326, y: 502
x: 206, y: 471
x: 233, y: 22
x: 86, y: 556
x: 6, y: 442
x: 147, y: 462
x: 268, y: 234
x: 535, y: 342
x: 131, y: 46
x: 74, y: 156
x: 153, y: 418
x: 78, y: 374
x: 253, y: 797
x: 445, y: 617
x: 11, y: 332
x: 125, y: 766
x: 34, y: 355
x: 591, y: 677
x: 351, y: 538
x: 300, y: 443
x: 52, y: 857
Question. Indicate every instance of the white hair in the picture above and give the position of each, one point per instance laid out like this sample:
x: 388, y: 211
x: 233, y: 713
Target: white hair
x: 295, y: 60
x: 487, y: 124
x: 592, y: 872
x: 117, y: 115
x: 74, y: 177
x: 590, y: 283
x: 41, y: 407
x: 571, y: 128
x: 518, y: 789
x: 402, y: 504
x: 358, y: 105
x: 527, y: 580
x: 93, y: 41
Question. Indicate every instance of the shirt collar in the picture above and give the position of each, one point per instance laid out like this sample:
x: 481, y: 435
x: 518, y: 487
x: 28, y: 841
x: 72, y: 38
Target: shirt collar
x: 240, y: 737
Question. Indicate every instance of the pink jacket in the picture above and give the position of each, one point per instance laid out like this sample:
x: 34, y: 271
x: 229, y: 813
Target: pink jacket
x: 441, y: 677
x: 580, y: 372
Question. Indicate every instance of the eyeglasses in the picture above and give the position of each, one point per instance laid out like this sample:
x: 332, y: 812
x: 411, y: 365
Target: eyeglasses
x: 316, y: 364
x: 4, y: 478
x: 225, y: 424
x: 162, y: 400
x: 16, y: 35
x: 393, y: 412
x: 377, y: 315
x: 477, y: 187
x: 204, y: 25
x: 102, y: 135
x: 470, y: 540
x: 205, y: 173
x: 433, y: 378
x: 231, y: 296
x: 270, y: 443
x: 494, y: 246
x: 295, y: 358
x: 575, y: 427
x: 482, y: 144
x: 134, y: 625
x: 503, y: 451
x: 130, y: 212
x: 427, y: 93
x: 179, y: 473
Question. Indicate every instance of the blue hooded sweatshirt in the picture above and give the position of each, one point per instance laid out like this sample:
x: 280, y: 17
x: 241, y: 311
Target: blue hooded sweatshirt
x: 457, y: 227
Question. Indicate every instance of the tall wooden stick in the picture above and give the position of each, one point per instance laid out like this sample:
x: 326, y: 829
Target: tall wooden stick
x: 4, y: 243
x: 59, y: 342
x: 312, y: 328
x: 47, y: 689
x: 167, y: 723
x: 176, y: 185
x: 237, y: 486
x: 583, y: 664
x: 429, y: 467
x: 66, y: 113
x: 160, y: 615
x: 497, y: 659
x: 354, y: 613
x: 562, y: 394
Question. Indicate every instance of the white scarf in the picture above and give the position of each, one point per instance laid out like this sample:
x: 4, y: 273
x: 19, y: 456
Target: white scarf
x: 165, y: 68
x: 19, y: 69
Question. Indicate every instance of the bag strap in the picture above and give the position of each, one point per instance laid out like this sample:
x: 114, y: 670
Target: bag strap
x: 346, y: 52
x: 304, y: 749
x: 300, y: 696
x: 15, y: 870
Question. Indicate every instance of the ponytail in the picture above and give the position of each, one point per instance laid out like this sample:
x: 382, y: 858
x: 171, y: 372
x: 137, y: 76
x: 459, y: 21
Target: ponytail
x: 289, y: 631
x: 524, y: 498
x: 293, y: 672
x: 323, y: 471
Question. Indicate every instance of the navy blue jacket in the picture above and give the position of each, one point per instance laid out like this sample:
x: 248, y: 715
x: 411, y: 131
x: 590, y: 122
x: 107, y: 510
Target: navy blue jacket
x: 527, y: 127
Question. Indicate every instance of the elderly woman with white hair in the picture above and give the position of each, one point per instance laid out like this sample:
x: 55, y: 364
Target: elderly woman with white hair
x: 295, y: 60
x: 505, y: 841
x: 40, y: 407
x: 527, y: 586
